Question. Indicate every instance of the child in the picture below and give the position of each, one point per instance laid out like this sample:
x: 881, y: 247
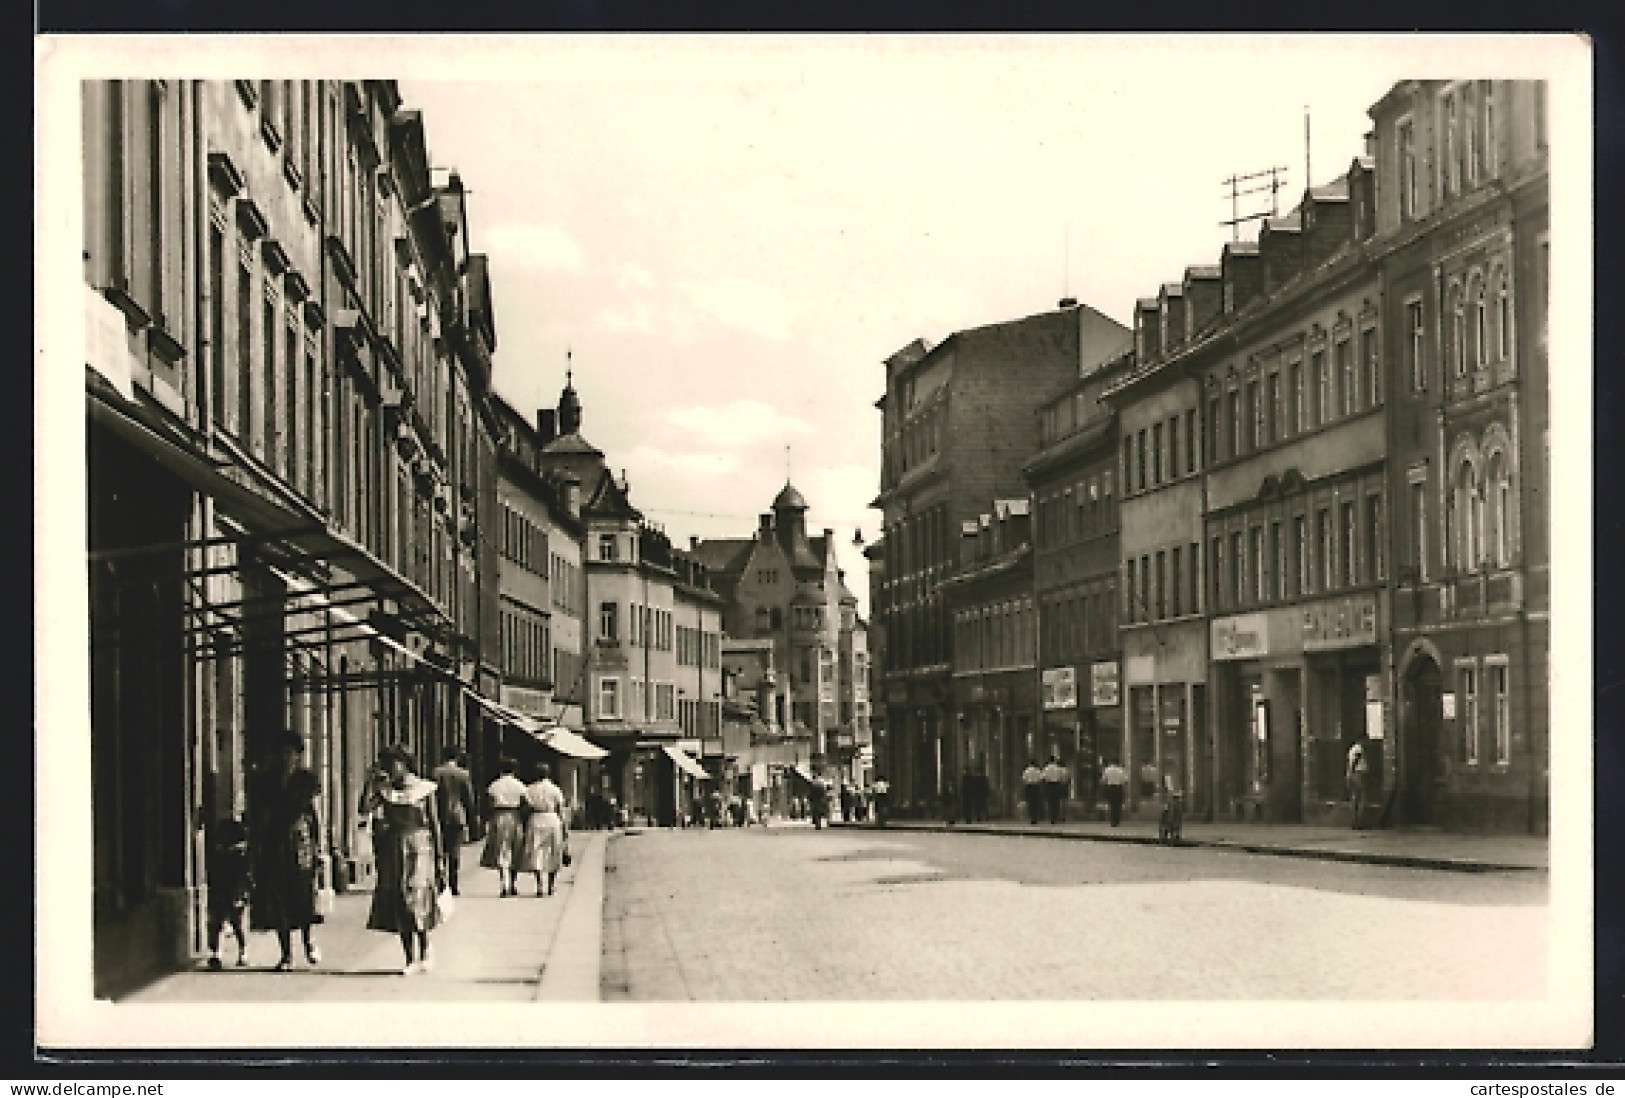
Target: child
x: 228, y: 875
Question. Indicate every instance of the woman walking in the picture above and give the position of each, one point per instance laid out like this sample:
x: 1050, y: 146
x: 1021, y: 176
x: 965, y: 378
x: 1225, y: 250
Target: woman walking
x: 503, y: 836
x: 405, y: 900
x: 287, y: 842
x: 543, y: 851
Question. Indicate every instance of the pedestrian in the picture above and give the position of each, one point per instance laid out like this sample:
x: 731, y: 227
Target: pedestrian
x: 967, y: 795
x: 882, y: 791
x: 1056, y: 783
x: 1114, y: 778
x: 1032, y: 785
x: 546, y: 832
x: 750, y: 812
x: 503, y: 798
x: 454, y: 796
x: 1355, y: 776
x: 285, y: 846
x: 411, y: 874
x: 820, y: 804
x: 984, y: 792
x: 230, y: 880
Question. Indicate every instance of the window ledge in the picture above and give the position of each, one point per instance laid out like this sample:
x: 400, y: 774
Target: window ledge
x: 272, y: 136
x: 291, y: 172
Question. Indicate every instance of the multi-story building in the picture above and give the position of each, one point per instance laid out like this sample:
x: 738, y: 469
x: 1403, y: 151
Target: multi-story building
x: 787, y: 586
x: 1462, y: 232
x: 1073, y: 481
x: 956, y: 426
x: 883, y: 767
x: 630, y: 641
x: 290, y: 469
x: 697, y: 611
x: 855, y: 738
x: 995, y: 653
x: 1296, y: 524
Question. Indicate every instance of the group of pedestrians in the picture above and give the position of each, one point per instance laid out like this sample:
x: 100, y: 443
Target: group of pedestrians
x: 1045, y: 789
x: 529, y: 829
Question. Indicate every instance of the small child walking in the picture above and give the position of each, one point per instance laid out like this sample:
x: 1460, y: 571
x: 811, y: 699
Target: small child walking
x: 229, y: 880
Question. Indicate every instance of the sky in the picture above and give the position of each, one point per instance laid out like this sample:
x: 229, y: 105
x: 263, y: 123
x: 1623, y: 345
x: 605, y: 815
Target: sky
x: 728, y: 236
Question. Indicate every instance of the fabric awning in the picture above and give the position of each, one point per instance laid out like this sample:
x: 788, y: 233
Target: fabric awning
x: 801, y: 771
x: 685, y: 762
x: 566, y: 742
x: 507, y: 715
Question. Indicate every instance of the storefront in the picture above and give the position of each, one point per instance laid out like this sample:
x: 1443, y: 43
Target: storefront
x: 1296, y: 686
x: 1165, y: 746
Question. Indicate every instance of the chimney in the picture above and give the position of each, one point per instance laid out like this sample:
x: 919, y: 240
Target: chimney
x: 1171, y: 320
x: 1203, y: 298
x: 765, y: 531
x: 546, y: 426
x: 1067, y: 303
x: 1281, y: 247
x: 1146, y: 331
x: 693, y: 543
x: 1242, y: 271
x: 1328, y: 217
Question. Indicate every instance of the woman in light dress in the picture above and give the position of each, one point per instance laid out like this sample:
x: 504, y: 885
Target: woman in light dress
x: 543, y: 850
x: 503, y: 837
x: 411, y: 869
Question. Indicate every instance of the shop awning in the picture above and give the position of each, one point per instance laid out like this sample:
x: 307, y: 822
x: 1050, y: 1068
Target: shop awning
x: 685, y: 762
x: 566, y: 742
x: 800, y: 770
x: 507, y: 715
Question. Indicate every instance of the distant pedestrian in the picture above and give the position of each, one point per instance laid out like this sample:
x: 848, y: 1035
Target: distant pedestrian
x: 503, y: 797
x: 230, y: 879
x: 1114, y: 778
x: 1032, y: 786
x: 1056, y: 786
x: 984, y: 793
x: 454, y: 794
x: 882, y: 795
x: 411, y: 875
x: 542, y: 851
x: 286, y: 846
x: 750, y: 811
x: 1355, y: 771
x: 820, y: 804
x: 967, y: 795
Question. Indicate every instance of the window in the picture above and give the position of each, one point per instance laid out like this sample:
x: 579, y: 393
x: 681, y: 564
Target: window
x: 1156, y: 453
x: 1406, y: 140
x: 1458, y: 332
x: 1496, y: 676
x: 1463, y: 517
x: 1452, y: 149
x: 1323, y: 388
x: 607, y: 548
x: 224, y: 412
x: 1348, y: 388
x: 1216, y: 570
x: 1255, y: 416
x: 1467, y: 686
x: 1351, y: 533
x: 1145, y: 586
x: 1297, y: 410
x: 1301, y: 581
x: 1499, y: 532
x: 1273, y: 415
x: 1503, y: 318
x: 1190, y: 440
x: 1234, y: 421
x: 1196, y: 578
x: 247, y: 374
x: 1175, y: 585
x: 1140, y: 458
x: 608, y: 616
x: 1327, y: 548
x: 1372, y: 366
x: 1238, y: 569
x: 1173, y: 447
x: 1213, y: 430
x: 1374, y: 537
x: 1414, y: 346
x: 1128, y: 464
x: 1480, y: 333
x: 609, y: 698
x: 1255, y: 547
x: 1277, y: 588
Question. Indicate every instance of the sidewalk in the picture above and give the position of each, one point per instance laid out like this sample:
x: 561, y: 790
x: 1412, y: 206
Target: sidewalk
x: 493, y: 949
x: 1415, y: 849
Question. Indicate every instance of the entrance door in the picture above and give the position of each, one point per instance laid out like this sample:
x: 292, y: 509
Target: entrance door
x: 1421, y: 717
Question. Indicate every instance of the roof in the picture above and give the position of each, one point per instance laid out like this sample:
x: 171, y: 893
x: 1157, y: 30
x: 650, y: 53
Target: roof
x: 608, y: 499
x: 788, y: 497
x: 1170, y: 289
x: 1335, y: 191
x: 1145, y: 303
x: 1204, y: 271
x: 1291, y: 223
x: 723, y: 554
x: 1241, y: 247
x: 572, y: 443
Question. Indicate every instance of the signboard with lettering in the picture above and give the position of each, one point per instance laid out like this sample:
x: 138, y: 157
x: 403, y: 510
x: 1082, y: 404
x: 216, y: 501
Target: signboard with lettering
x: 1340, y: 623
x: 1103, y: 685
x: 532, y: 703
x: 1447, y: 706
x: 1060, y: 688
x: 1241, y: 637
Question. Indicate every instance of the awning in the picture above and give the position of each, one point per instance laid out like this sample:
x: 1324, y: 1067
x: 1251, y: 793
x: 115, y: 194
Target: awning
x: 566, y: 742
x: 507, y: 715
x: 685, y: 762
x: 801, y: 771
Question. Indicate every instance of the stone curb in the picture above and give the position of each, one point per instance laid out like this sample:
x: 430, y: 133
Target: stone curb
x: 572, y: 970
x: 1407, y: 861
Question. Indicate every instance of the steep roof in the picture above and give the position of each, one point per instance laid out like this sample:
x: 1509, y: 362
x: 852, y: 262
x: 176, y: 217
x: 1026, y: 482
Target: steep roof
x: 572, y: 443
x: 608, y: 499
x: 788, y: 497
x: 723, y: 554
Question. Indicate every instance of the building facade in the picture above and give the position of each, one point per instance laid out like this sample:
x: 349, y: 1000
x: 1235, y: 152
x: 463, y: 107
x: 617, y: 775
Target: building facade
x: 956, y: 425
x: 1463, y: 238
x: 290, y: 471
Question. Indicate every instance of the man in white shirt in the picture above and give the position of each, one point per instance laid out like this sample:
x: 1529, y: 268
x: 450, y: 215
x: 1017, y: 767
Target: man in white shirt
x: 1358, y: 765
x: 1114, y: 778
x: 1056, y: 785
x: 1032, y: 785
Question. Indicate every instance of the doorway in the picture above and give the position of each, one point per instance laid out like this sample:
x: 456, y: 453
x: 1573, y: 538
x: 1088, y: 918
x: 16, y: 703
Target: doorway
x: 1421, y: 717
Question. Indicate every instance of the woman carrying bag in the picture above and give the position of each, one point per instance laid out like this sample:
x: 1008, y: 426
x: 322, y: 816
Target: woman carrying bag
x: 411, y: 866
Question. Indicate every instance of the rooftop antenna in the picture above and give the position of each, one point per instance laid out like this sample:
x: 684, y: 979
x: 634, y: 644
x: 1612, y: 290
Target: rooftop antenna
x: 568, y: 372
x: 1308, y: 179
x: 1066, y: 263
x: 1277, y: 179
x: 787, y: 463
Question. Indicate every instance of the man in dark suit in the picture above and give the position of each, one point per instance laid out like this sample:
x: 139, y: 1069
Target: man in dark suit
x: 455, y: 794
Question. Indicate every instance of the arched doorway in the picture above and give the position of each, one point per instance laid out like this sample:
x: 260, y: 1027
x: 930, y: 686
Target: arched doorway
x: 1421, y: 719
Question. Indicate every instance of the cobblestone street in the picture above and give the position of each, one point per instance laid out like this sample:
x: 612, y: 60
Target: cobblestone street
x: 797, y: 914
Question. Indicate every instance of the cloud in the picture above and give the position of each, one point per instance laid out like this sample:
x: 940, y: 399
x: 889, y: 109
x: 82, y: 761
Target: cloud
x: 739, y: 424
x: 533, y: 246
x: 635, y: 318
x: 634, y: 276
x: 748, y: 306
x: 691, y: 462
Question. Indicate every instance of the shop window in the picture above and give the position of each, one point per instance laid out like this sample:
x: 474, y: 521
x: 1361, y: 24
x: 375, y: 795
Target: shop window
x: 1467, y: 704
x: 1496, y: 674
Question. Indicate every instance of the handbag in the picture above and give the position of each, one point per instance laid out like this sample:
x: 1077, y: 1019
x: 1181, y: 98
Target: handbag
x: 446, y: 903
x: 566, y: 853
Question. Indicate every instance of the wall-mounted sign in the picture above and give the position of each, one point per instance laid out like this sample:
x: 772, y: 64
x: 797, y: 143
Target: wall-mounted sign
x: 1241, y: 637
x: 1447, y: 706
x: 1060, y: 688
x: 1103, y: 685
x: 1340, y: 623
x: 532, y: 703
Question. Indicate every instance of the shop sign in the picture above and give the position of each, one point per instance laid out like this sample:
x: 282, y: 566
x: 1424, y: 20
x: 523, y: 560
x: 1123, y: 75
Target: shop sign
x: 1340, y: 623
x: 532, y: 703
x: 1241, y: 637
x: 1447, y: 706
x: 1103, y: 685
x: 1060, y: 687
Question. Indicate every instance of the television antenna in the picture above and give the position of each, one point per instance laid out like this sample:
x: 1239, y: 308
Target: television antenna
x: 1243, y: 185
